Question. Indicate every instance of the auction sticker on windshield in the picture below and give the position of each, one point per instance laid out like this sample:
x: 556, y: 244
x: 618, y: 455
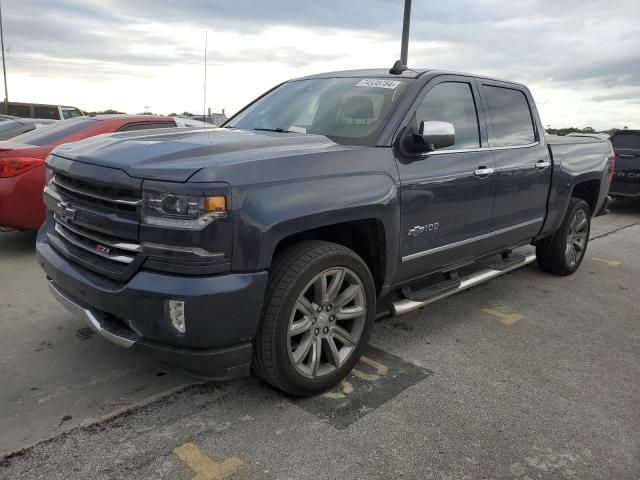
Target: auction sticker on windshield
x: 375, y: 82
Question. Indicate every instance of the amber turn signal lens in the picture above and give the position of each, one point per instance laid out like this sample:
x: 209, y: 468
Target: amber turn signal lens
x: 217, y: 204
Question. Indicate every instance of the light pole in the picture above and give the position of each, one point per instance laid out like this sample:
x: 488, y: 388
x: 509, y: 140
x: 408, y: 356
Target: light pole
x: 4, y: 67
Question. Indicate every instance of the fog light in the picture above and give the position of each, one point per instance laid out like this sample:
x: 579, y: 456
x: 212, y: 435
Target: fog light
x: 175, y: 311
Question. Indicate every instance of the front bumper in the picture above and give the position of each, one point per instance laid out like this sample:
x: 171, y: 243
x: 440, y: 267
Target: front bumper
x: 222, y: 313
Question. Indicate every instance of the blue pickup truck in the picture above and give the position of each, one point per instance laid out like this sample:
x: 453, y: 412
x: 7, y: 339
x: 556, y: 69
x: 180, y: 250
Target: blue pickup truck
x: 267, y: 244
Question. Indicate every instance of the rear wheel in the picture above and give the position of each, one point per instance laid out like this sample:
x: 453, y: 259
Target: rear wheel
x: 318, y: 315
x: 563, y: 252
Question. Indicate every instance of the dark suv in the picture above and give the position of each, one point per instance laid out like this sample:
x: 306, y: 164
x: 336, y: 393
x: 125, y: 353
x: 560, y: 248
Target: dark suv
x: 626, y: 179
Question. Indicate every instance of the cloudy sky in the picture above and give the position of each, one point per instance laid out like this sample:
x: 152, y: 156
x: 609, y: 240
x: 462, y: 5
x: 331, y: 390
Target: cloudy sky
x: 581, y: 58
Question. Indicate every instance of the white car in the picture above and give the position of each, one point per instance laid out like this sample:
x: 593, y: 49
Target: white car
x: 191, y: 122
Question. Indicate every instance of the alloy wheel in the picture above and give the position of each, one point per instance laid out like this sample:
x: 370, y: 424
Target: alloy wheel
x: 577, y: 237
x: 327, y: 322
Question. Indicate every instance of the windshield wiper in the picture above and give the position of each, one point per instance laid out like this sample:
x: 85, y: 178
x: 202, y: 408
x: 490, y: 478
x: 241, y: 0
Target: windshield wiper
x: 279, y: 130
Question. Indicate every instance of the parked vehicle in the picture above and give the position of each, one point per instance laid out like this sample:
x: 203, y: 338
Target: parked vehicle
x: 40, y: 110
x: 268, y: 242
x: 601, y: 136
x: 626, y: 178
x: 191, y: 122
x: 13, y: 128
x: 22, y: 172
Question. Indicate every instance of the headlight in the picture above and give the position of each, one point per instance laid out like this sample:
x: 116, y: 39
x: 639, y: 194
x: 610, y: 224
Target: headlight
x: 182, y: 211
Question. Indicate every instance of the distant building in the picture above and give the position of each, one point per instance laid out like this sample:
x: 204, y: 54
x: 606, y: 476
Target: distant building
x: 213, y: 118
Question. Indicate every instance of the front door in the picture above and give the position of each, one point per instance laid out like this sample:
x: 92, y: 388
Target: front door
x: 446, y: 195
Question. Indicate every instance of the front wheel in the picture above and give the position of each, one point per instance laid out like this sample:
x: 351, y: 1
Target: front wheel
x: 563, y: 252
x: 319, y: 310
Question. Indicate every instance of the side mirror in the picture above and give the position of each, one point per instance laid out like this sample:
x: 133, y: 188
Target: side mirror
x: 431, y: 136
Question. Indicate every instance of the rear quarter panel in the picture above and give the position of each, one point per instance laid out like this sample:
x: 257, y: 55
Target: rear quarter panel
x: 574, y: 163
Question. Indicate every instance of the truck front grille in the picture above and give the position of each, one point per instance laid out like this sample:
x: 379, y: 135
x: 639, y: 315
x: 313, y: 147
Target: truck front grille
x: 96, y: 225
x: 94, y: 193
x: 111, y: 248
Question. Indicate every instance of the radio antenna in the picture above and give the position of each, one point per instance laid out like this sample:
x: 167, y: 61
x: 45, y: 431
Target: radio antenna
x: 204, y: 99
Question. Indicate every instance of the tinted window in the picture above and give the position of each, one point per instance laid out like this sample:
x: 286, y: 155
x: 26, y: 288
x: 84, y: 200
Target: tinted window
x: 452, y: 102
x: 146, y: 126
x: 19, y: 110
x: 510, y: 115
x: 55, y: 132
x: 347, y: 110
x: 70, y: 113
x: 45, y: 112
x: 627, y: 140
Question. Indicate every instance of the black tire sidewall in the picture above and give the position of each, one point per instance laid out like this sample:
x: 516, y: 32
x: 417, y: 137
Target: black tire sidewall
x: 342, y: 258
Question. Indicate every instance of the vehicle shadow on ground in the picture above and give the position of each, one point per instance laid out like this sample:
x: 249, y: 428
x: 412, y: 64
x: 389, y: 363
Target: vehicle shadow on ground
x: 631, y: 206
x: 17, y: 243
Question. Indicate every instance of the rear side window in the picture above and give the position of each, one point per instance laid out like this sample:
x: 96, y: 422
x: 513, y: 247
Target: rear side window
x: 629, y: 140
x: 146, y: 126
x: 46, y: 112
x: 452, y: 102
x: 55, y: 132
x: 510, y: 116
x: 19, y: 110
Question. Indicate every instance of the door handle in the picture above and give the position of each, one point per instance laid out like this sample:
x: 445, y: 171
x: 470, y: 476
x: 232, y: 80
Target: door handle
x: 542, y: 164
x: 483, y: 172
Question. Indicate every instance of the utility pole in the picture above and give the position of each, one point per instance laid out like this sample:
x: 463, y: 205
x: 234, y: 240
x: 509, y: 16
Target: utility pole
x: 404, y: 51
x: 4, y: 67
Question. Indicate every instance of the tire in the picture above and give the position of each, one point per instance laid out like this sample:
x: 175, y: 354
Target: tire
x: 292, y: 301
x: 554, y: 253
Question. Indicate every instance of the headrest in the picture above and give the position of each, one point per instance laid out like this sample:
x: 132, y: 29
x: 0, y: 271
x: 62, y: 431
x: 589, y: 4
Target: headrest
x: 358, y: 106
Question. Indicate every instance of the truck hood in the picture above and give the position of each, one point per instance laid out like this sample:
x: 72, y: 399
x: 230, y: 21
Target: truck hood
x: 178, y: 154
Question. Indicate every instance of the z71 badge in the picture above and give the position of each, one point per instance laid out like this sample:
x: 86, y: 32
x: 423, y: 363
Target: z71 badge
x: 420, y: 229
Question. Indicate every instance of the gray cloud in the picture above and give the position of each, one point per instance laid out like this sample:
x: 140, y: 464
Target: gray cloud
x: 583, y: 45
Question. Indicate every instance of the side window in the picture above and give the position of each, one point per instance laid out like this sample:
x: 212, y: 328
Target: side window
x: 452, y: 102
x: 46, y: 112
x: 18, y: 110
x: 510, y: 115
x: 70, y: 113
x: 146, y: 126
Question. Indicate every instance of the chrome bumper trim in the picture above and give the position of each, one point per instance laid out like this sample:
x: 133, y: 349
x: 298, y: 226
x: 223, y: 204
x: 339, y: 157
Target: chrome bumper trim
x: 93, y: 319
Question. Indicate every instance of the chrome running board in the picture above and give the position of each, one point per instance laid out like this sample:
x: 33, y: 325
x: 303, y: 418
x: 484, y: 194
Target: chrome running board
x: 400, y: 307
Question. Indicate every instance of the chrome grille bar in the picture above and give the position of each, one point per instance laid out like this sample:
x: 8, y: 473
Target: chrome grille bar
x: 64, y: 186
x: 81, y: 242
x: 128, y: 246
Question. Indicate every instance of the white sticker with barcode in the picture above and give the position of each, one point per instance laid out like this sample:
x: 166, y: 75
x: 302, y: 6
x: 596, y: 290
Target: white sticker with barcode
x: 378, y: 83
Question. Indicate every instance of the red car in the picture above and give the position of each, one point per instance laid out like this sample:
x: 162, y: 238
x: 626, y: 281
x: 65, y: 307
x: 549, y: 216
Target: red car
x: 22, y: 159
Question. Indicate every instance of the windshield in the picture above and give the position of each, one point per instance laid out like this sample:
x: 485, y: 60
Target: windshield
x: 347, y: 110
x: 55, y: 132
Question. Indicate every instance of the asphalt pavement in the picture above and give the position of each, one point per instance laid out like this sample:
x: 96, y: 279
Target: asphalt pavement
x: 528, y: 376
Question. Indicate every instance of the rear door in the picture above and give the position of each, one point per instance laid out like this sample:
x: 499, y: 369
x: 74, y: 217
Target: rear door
x: 446, y: 195
x: 523, y: 166
x: 626, y: 179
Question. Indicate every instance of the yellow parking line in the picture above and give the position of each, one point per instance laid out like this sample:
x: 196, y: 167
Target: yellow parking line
x: 203, y: 466
x: 345, y: 389
x: 381, y: 368
x: 369, y: 377
x: 611, y: 263
x: 506, y: 318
